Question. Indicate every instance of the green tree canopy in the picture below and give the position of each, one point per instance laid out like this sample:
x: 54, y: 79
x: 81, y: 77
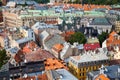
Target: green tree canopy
x: 102, y: 37
x: 77, y: 37
x: 3, y: 57
x: 42, y: 1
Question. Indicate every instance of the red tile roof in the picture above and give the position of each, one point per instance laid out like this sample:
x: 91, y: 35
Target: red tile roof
x: 31, y: 46
x: 67, y: 34
x: 85, y: 6
x: 38, y: 55
x: 4, y: 35
x: 91, y: 46
x: 18, y: 57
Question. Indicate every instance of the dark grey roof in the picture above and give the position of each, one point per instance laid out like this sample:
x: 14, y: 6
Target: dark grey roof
x: 25, y: 68
x: 100, y: 21
x: 4, y: 75
x: 112, y: 72
x: 90, y: 31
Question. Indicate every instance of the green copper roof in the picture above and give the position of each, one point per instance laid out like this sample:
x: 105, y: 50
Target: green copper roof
x: 37, y: 13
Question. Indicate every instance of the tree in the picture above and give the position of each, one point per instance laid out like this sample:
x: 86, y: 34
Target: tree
x: 77, y: 37
x: 42, y: 1
x: 102, y: 37
x: 3, y: 57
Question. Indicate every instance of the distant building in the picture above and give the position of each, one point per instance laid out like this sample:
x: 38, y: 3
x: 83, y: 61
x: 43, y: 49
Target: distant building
x: 19, y: 17
x: 117, y: 24
x: 88, y: 31
x: 20, y: 36
x: 105, y: 73
x: 43, y: 29
x: 88, y: 61
x: 101, y: 24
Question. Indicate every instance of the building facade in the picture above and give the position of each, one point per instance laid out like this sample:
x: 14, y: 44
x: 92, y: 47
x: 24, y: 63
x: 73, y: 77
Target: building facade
x: 80, y: 65
x: 18, y: 18
x: 117, y: 26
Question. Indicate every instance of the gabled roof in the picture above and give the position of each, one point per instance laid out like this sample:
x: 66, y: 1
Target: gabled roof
x: 29, y: 47
x: 38, y: 55
x: 57, y: 47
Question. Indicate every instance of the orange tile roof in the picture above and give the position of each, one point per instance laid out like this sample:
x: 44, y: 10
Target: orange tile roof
x: 102, y: 77
x: 28, y: 48
x: 85, y: 6
x: 113, y: 33
x: 51, y: 22
x: 58, y: 47
x: 112, y: 40
x: 53, y: 64
x: 67, y: 34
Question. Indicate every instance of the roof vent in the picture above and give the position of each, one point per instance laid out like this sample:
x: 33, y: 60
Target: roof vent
x: 25, y: 75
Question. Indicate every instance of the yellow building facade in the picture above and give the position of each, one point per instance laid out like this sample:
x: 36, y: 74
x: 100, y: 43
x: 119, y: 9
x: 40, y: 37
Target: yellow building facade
x: 80, y: 69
